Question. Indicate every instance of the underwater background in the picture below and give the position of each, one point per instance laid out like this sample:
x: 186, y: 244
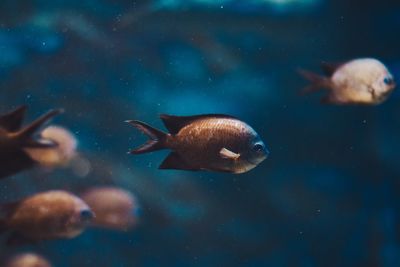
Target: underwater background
x: 328, y: 195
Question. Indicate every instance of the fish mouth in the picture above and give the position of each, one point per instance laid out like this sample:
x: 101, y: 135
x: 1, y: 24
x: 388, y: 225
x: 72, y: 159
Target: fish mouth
x: 256, y: 162
x: 383, y: 96
x: 86, y: 217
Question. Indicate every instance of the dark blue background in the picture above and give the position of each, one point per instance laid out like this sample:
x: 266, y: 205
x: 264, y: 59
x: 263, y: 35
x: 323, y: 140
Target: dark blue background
x: 328, y: 195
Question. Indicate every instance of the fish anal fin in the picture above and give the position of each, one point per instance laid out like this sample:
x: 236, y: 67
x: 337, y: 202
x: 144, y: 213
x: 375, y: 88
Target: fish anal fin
x: 175, y: 162
x: 329, y: 100
x: 15, y: 239
x: 14, y: 162
x: 175, y: 123
x: 228, y: 154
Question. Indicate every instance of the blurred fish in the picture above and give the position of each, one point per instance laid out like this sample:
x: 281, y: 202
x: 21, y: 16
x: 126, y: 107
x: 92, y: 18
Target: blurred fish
x: 211, y: 142
x: 115, y: 208
x: 14, y: 139
x: 361, y: 81
x: 47, y: 215
x: 57, y: 156
x: 27, y: 260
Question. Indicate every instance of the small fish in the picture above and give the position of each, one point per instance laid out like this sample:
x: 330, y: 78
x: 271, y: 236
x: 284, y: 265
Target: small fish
x: 57, y: 156
x: 211, y: 142
x: 115, y: 208
x: 14, y: 139
x: 361, y: 81
x: 27, y: 260
x: 48, y: 215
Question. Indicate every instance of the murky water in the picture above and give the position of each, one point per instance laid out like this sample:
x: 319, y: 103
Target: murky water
x: 328, y: 194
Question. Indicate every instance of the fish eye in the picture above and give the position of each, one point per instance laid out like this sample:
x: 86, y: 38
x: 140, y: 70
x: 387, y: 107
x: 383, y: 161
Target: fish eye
x: 86, y: 215
x: 258, y: 147
x: 388, y: 80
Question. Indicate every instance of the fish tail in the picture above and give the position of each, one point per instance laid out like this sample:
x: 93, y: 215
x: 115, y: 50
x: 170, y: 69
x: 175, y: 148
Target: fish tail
x: 24, y: 136
x: 157, y: 139
x: 12, y: 121
x: 3, y: 226
x: 317, y: 82
x: 6, y: 210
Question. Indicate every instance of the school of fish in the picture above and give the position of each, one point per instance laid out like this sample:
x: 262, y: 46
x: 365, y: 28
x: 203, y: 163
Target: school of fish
x: 205, y: 142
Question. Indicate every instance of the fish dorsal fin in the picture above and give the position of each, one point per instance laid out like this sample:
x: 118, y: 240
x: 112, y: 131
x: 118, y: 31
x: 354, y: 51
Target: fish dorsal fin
x: 175, y: 123
x: 228, y: 154
x: 12, y: 121
x: 330, y: 68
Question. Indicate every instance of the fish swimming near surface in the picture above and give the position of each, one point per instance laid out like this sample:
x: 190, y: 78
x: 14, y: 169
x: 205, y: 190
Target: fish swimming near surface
x: 49, y: 215
x: 14, y: 139
x: 27, y: 260
x: 115, y: 208
x: 212, y: 142
x: 364, y: 81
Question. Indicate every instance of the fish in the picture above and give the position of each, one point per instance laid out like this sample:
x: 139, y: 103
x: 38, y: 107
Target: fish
x: 27, y: 260
x: 57, y: 156
x: 210, y: 142
x: 364, y: 81
x: 115, y: 208
x: 54, y: 214
x: 14, y: 139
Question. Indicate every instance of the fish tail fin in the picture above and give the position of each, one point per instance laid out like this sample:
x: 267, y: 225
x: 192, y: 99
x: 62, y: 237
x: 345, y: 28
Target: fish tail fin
x: 157, y: 138
x: 3, y: 226
x: 12, y: 121
x: 24, y: 135
x: 6, y: 210
x: 317, y: 81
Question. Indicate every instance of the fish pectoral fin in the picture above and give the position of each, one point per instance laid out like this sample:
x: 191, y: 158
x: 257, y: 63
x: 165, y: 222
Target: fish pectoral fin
x: 227, y: 154
x: 175, y: 162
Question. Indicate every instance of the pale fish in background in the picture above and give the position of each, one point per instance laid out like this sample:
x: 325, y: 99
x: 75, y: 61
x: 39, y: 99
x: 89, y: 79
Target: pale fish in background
x: 47, y: 215
x: 57, y: 156
x: 115, y: 208
x: 27, y: 260
x: 361, y: 81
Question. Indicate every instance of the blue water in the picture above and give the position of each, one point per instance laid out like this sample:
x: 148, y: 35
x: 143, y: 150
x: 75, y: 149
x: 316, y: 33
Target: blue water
x: 328, y: 195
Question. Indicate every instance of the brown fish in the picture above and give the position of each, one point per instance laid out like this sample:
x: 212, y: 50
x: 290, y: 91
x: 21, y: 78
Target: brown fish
x: 115, y: 208
x: 48, y: 215
x: 213, y: 142
x: 27, y: 260
x: 361, y: 81
x: 14, y: 139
